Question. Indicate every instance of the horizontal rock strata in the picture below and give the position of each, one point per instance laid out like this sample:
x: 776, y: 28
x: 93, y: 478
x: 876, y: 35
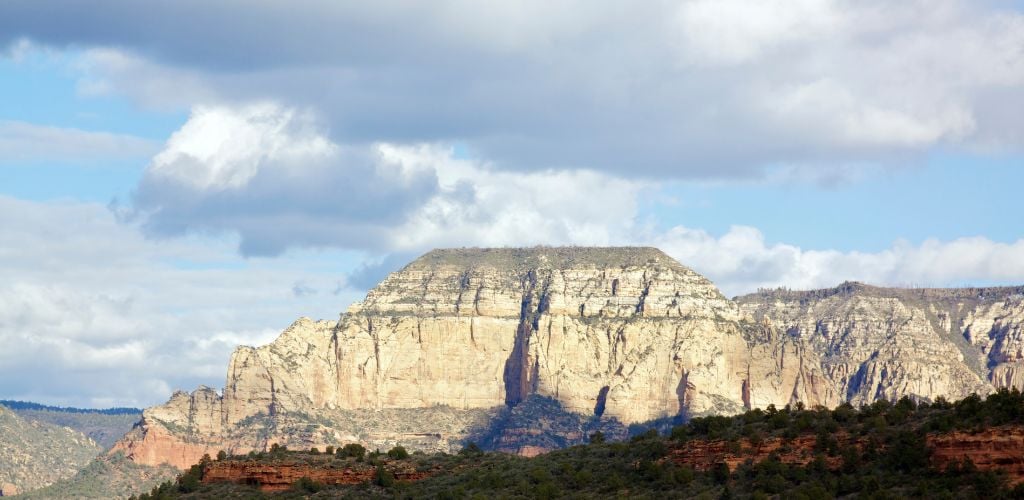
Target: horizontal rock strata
x: 615, y: 335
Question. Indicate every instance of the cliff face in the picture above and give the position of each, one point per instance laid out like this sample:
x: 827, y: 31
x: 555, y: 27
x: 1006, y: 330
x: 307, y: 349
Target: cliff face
x: 886, y: 343
x: 623, y: 335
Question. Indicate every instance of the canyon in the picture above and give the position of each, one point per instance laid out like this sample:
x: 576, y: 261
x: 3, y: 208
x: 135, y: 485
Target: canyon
x: 452, y: 346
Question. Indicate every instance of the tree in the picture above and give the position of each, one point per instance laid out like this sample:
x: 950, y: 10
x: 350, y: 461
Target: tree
x: 222, y: 455
x: 352, y: 450
x: 470, y: 449
x: 383, y: 477
x: 597, y: 438
x: 398, y: 453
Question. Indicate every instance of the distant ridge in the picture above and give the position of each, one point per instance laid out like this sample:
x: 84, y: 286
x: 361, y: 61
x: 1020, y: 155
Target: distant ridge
x: 25, y: 405
x: 855, y: 287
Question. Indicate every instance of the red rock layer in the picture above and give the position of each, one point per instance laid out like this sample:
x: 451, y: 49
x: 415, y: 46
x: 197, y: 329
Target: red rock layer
x: 999, y: 448
x: 281, y: 476
x: 154, y: 445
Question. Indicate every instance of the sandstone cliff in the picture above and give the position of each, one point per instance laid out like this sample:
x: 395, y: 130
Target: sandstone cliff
x: 439, y: 349
x: 887, y: 342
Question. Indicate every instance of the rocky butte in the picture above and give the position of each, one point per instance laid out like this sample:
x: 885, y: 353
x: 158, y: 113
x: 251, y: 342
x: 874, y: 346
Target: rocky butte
x: 471, y: 343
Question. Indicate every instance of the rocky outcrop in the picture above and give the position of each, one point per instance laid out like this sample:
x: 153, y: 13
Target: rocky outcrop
x: 994, y: 449
x: 999, y: 448
x: 281, y: 476
x: 439, y: 349
x: 887, y: 342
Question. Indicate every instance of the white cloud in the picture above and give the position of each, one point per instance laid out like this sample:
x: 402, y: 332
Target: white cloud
x: 740, y: 262
x: 690, y: 89
x: 22, y: 142
x: 91, y: 311
x: 269, y: 175
x: 221, y: 148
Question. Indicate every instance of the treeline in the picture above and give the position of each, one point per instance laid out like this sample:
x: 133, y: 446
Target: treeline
x: 876, y: 451
x: 25, y: 405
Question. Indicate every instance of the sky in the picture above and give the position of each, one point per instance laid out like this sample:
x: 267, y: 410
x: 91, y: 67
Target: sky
x: 179, y: 178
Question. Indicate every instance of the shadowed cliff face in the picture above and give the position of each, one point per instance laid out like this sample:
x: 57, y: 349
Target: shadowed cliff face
x: 885, y: 343
x: 624, y: 334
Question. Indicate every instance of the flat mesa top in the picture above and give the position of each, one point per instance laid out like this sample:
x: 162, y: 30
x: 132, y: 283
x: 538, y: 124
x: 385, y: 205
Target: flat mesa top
x: 850, y: 288
x: 545, y: 257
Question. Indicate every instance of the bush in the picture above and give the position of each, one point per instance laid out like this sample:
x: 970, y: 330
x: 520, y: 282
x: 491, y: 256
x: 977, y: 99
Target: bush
x: 471, y: 449
x: 398, y: 453
x: 355, y: 450
x: 383, y: 477
x: 307, y: 485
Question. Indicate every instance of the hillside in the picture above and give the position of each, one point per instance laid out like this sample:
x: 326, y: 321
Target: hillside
x: 973, y: 448
x: 103, y: 426
x: 107, y: 476
x: 34, y: 454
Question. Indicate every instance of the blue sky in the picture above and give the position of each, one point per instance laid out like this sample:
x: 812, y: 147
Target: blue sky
x: 168, y: 193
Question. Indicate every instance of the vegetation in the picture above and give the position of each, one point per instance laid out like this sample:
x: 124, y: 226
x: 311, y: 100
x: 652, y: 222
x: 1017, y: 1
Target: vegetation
x: 24, y: 405
x: 892, y: 462
x: 107, y: 476
x: 102, y: 426
x: 35, y: 454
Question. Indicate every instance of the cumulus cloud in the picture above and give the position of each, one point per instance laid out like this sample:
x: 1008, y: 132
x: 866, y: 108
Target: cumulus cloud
x: 92, y: 313
x: 698, y: 88
x: 268, y: 174
x: 208, y: 179
x: 22, y: 142
x: 740, y: 261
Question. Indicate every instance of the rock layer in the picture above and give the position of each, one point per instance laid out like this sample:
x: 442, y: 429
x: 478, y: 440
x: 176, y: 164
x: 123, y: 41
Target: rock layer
x: 624, y: 335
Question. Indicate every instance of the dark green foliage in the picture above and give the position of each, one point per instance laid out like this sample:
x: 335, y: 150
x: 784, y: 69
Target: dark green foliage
x: 383, y: 477
x: 24, y: 405
x: 355, y: 450
x: 398, y: 453
x: 471, y: 449
x: 307, y: 485
x: 878, y: 451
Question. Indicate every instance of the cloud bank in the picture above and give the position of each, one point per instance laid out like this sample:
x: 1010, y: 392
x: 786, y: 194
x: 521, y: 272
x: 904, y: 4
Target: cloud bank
x: 692, y: 89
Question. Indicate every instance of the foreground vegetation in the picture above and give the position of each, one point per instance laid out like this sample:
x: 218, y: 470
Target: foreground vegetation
x: 893, y: 461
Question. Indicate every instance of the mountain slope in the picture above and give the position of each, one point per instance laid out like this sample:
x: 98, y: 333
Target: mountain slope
x: 102, y: 426
x: 35, y: 454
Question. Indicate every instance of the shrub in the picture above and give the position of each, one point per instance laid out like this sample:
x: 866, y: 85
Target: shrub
x: 352, y: 450
x: 307, y: 485
x: 383, y: 477
x: 398, y: 453
x: 470, y: 449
